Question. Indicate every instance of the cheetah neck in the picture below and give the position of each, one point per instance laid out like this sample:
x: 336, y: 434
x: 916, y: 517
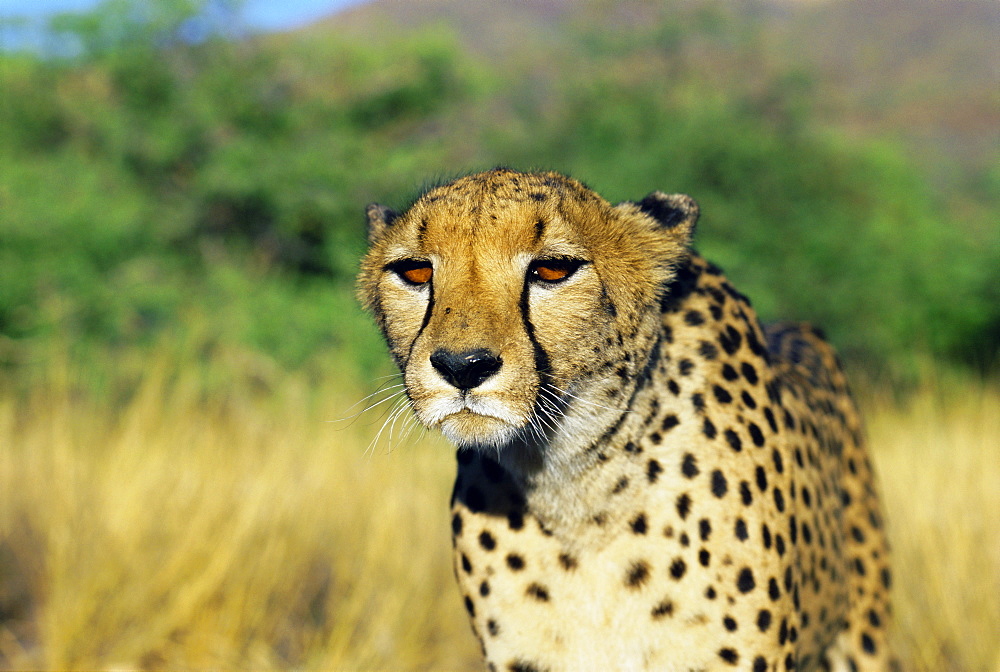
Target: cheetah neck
x: 571, y: 484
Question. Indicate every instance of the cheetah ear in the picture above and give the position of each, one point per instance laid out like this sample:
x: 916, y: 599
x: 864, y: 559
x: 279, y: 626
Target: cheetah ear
x: 380, y: 218
x: 672, y: 211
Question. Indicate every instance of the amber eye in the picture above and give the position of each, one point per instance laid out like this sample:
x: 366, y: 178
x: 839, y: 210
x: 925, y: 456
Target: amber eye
x: 413, y: 271
x: 553, y: 270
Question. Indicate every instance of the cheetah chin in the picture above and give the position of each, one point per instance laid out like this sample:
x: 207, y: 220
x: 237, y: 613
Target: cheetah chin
x: 648, y: 479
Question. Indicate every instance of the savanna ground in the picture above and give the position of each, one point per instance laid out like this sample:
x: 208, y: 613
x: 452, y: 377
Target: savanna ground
x: 179, y: 529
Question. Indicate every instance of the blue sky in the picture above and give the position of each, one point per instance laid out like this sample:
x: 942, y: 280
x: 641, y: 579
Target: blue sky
x: 259, y: 14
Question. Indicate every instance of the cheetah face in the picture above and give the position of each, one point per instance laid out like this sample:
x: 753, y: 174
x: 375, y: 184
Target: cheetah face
x: 502, y: 296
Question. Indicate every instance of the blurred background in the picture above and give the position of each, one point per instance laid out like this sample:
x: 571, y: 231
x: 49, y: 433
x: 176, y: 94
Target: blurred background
x: 182, y: 187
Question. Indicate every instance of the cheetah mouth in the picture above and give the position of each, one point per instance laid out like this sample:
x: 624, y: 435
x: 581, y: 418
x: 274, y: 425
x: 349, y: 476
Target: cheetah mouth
x: 470, y: 428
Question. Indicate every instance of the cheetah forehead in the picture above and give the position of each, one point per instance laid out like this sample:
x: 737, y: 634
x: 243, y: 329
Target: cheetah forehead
x: 508, y: 212
x: 504, y: 208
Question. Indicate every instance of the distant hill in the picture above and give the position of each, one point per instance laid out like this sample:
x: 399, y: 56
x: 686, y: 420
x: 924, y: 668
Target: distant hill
x: 925, y: 71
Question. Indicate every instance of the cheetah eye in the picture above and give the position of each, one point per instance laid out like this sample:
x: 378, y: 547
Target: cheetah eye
x: 552, y: 271
x: 414, y: 272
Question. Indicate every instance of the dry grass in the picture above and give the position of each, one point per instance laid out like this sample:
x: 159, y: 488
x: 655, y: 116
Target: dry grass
x: 938, y: 456
x: 247, y: 533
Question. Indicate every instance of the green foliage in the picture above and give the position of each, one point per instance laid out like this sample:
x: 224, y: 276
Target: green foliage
x: 209, y: 191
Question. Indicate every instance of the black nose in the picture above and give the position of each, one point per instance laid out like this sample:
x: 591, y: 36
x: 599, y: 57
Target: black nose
x: 466, y: 370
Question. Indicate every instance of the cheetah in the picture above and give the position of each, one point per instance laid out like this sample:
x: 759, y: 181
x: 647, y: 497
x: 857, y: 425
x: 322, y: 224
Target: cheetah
x: 648, y: 479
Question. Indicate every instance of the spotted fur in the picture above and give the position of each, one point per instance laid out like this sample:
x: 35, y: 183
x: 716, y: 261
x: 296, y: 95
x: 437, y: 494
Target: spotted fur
x: 647, y: 478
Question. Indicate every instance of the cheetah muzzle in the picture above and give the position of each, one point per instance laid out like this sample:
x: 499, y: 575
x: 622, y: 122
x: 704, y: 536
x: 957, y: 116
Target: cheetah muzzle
x: 647, y: 478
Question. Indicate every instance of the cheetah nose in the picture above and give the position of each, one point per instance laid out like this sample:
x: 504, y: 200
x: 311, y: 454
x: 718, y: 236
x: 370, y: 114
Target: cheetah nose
x: 466, y: 370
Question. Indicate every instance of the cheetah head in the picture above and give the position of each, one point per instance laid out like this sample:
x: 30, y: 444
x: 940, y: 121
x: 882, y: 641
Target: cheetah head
x: 511, y: 300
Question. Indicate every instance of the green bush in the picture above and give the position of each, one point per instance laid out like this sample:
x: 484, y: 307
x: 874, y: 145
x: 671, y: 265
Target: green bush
x: 211, y: 192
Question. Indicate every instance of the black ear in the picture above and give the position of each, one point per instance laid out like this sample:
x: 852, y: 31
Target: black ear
x: 671, y: 210
x: 379, y: 219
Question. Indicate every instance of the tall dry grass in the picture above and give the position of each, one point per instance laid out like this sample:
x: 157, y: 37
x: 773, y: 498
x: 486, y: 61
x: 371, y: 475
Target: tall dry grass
x: 243, y: 531
x: 238, y: 533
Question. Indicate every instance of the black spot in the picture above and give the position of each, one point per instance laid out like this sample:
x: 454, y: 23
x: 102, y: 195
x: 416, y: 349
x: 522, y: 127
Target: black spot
x: 779, y: 544
x: 487, y: 541
x: 653, y: 470
x: 515, y: 520
x: 708, y: 350
x: 698, y: 401
x: 756, y: 435
x: 763, y: 620
x: 673, y: 387
x: 670, y: 422
x: 665, y: 608
x: 708, y: 429
x: 761, y: 478
x: 470, y: 607
x: 539, y: 228
x: 729, y: 655
x: 704, y: 557
x: 769, y: 414
x: 874, y: 619
x: 620, y: 485
x: 779, y: 464
x: 729, y: 373
x: 515, y: 562
x: 689, y: 466
x: 523, y: 665
x: 719, y: 486
x: 677, y: 568
x: 745, y: 494
x: 729, y: 344
x: 772, y: 589
x: 694, y: 318
x: 859, y: 566
x: 868, y: 644
x: 722, y: 394
x: 537, y: 196
x: 710, y: 593
x: 745, y: 581
x: 734, y: 441
x: 765, y: 533
x: 793, y: 530
x: 456, y: 524
x: 773, y: 392
x: 857, y: 534
x: 637, y: 574
x: 466, y: 565
x: 484, y: 588
x: 656, y: 438
x: 729, y: 623
x: 685, y: 366
x: 749, y: 372
x: 638, y: 524
x: 783, y: 632
x: 741, y: 529
x: 683, y: 506
x: 567, y: 561
x: 759, y: 664
x: 779, y: 499
x: 492, y: 628
x: 704, y: 529
x: 748, y: 400
x: 538, y: 591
